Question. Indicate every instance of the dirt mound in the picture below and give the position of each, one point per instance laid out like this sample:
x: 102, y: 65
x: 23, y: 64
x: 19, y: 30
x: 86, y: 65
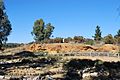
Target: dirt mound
x: 109, y: 48
x: 34, y: 47
x: 66, y: 47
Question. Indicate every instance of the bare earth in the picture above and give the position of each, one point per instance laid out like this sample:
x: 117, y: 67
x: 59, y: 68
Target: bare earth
x: 67, y: 47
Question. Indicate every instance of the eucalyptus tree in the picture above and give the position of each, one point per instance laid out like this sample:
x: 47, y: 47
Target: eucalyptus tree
x: 5, y: 26
x: 41, y: 31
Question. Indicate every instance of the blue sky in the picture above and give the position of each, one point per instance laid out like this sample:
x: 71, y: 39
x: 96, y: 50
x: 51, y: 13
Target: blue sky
x: 69, y: 17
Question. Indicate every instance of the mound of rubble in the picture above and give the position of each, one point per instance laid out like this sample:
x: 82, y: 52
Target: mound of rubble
x: 67, y: 47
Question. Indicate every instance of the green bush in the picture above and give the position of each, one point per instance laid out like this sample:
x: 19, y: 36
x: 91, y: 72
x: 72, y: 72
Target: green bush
x: 89, y: 42
x: 109, y: 39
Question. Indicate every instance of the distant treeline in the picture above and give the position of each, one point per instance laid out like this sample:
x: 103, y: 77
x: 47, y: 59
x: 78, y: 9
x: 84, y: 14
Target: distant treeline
x: 75, y: 39
x: 12, y: 45
x: 43, y: 32
x: 109, y: 39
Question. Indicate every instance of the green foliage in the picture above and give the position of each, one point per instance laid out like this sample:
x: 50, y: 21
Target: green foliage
x: 38, y: 30
x: 118, y: 34
x: 48, y: 31
x: 117, y: 37
x: 67, y: 40
x: 117, y: 40
x: 89, y: 42
x: 42, y: 31
x: 98, y: 62
x: 58, y: 40
x: 97, y: 36
x: 109, y: 39
x: 78, y: 39
x: 5, y: 26
x: 12, y: 45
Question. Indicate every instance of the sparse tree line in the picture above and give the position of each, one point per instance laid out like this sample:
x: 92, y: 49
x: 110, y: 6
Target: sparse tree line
x: 12, y: 45
x: 42, y: 34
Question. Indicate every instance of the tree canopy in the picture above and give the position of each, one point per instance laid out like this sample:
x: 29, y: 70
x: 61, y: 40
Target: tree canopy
x: 5, y: 26
x: 97, y: 36
x: 118, y: 34
x: 41, y: 31
x: 117, y: 37
x: 109, y: 39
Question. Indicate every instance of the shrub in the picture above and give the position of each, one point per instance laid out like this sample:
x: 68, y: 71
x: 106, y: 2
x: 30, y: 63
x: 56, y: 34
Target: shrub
x: 109, y: 39
x: 89, y: 42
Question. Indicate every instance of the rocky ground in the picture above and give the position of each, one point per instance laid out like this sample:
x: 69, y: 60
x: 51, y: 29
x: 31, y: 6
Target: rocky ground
x: 45, y: 61
x: 42, y: 66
